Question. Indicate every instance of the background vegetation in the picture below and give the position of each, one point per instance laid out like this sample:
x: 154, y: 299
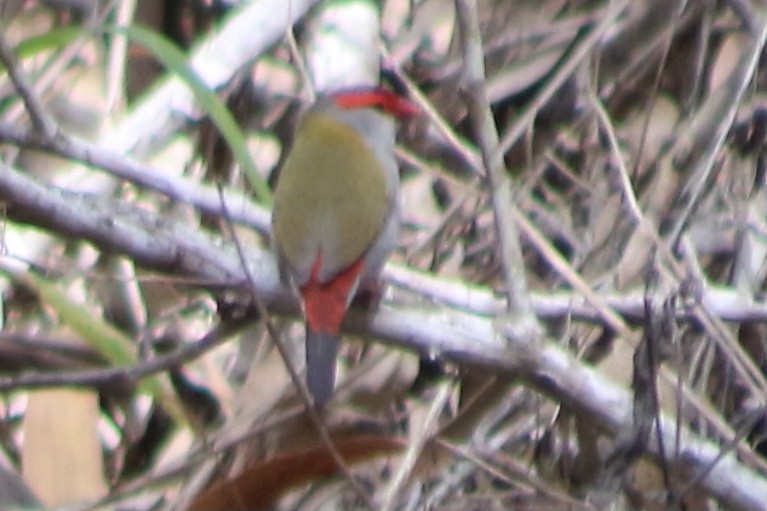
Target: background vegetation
x: 581, y: 265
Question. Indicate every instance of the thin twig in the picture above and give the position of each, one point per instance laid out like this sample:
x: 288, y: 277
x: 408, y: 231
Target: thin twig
x: 700, y: 156
x: 117, y: 58
x: 579, y: 53
x: 425, y: 429
x: 454, y: 140
x: 127, y: 375
x: 744, y: 364
x: 40, y: 119
x: 57, y: 64
x: 298, y: 61
x: 298, y: 382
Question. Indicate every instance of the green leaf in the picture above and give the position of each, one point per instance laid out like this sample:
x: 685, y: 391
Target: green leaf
x: 176, y: 62
x: 102, y: 336
x: 54, y: 38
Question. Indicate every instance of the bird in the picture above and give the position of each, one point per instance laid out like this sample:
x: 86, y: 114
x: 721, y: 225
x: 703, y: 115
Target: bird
x: 336, y: 214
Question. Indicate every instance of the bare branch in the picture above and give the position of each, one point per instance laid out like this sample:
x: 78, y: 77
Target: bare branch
x: 246, y: 34
x: 203, y: 197
x: 500, y: 183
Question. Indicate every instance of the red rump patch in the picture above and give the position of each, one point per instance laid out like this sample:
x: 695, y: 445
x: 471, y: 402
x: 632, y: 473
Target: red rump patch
x: 325, y: 304
x: 375, y: 97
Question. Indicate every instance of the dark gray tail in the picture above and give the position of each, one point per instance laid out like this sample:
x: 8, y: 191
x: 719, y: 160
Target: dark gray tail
x: 321, y: 351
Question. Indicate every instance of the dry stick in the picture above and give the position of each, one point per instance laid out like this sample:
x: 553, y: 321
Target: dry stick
x: 435, y: 170
x: 430, y: 239
x: 649, y: 364
x: 744, y: 10
x: 263, y: 312
x: 148, y: 239
x: 743, y: 364
x: 669, y: 37
x: 57, y: 64
x: 623, y: 175
x: 743, y: 74
x: 415, y: 446
x: 464, y: 149
x: 42, y: 122
x: 522, y: 471
x: 744, y: 430
x: 180, y: 467
x: 482, y: 452
x: 115, y: 93
x: 478, y: 299
x: 466, y: 189
x: 500, y: 182
x: 583, y: 50
x: 203, y: 197
x: 126, y: 374
x: 130, y: 291
x: 116, y: 59
x: 300, y: 64
x: 615, y: 322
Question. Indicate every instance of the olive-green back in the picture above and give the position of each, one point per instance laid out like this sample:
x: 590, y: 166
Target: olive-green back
x: 332, y: 196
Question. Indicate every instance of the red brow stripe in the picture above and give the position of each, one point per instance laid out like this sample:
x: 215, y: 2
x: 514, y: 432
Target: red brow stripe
x: 325, y: 304
x: 375, y: 98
